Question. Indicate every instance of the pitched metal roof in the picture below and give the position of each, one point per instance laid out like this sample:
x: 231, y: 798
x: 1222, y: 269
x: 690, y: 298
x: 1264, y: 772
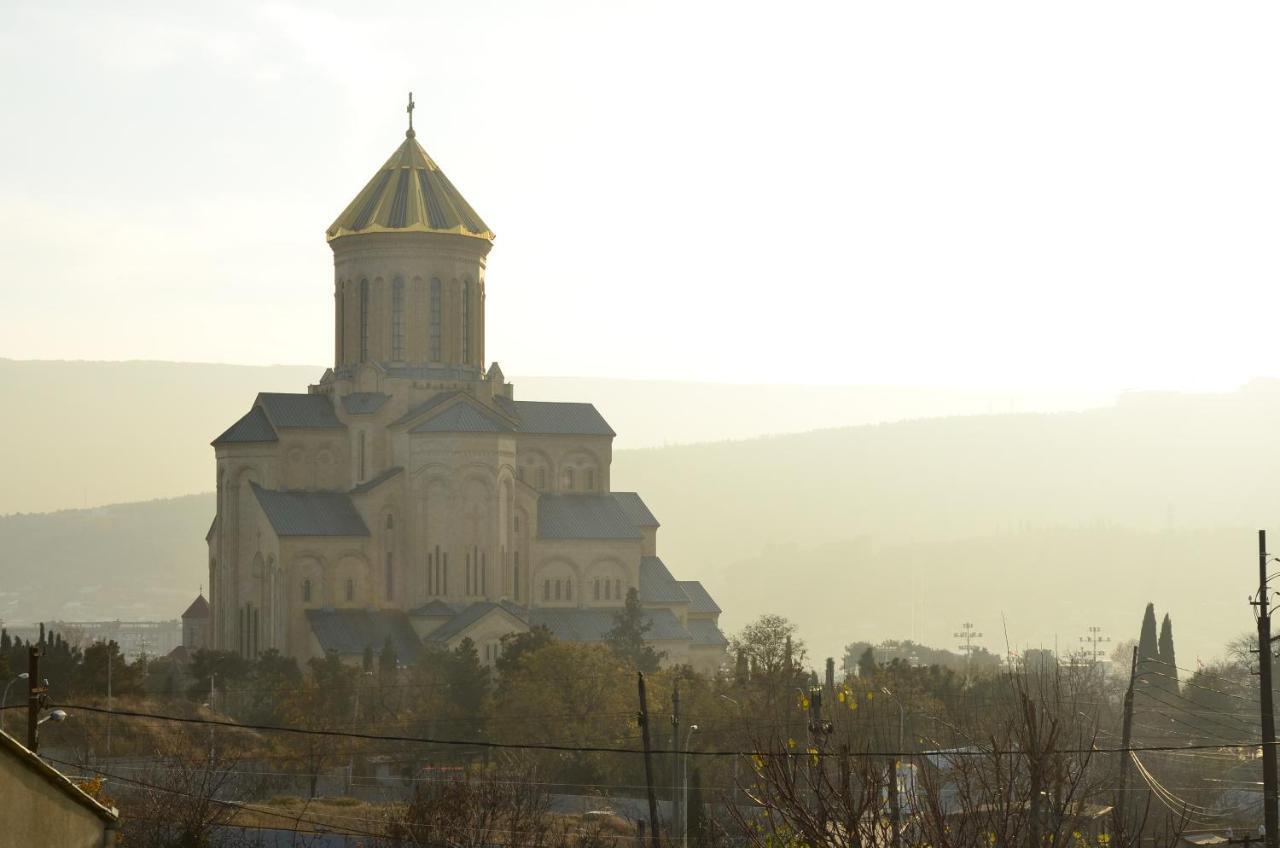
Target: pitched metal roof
x: 364, y: 403
x: 375, y: 482
x: 635, y: 509
x: 546, y: 418
x: 704, y: 632
x: 466, y: 618
x: 409, y: 194
x: 593, y: 625
x: 299, y: 410
x: 463, y: 418
x: 657, y: 586
x: 583, y: 517
x: 350, y: 631
x: 253, y: 426
x: 434, y: 609
x: 700, y: 600
x: 199, y: 608
x: 294, y: 513
x: 426, y: 406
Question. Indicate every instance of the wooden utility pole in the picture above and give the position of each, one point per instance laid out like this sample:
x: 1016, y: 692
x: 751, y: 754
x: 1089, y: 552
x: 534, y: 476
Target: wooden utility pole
x: 648, y: 762
x: 35, y: 696
x: 1126, y: 734
x: 676, y: 800
x: 1270, y: 809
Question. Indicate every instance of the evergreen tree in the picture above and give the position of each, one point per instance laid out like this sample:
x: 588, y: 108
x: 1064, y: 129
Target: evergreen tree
x: 1168, y: 661
x: 867, y: 663
x: 515, y: 646
x: 627, y: 636
x: 1148, y: 648
x: 387, y: 660
x: 468, y: 683
x: 741, y: 671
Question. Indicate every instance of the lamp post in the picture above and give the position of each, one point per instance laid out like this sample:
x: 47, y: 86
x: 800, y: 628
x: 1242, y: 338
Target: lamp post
x: 895, y: 806
x: 4, y: 700
x: 684, y: 787
x: 736, y: 760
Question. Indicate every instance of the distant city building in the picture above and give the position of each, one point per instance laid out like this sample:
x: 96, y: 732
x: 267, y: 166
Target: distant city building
x: 135, y: 638
x: 409, y: 496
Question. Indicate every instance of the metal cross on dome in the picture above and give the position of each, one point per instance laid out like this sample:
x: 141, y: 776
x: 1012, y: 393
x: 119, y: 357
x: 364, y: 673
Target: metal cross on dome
x: 409, y: 109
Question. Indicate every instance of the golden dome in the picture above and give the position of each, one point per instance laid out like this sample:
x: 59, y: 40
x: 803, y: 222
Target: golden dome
x: 409, y: 194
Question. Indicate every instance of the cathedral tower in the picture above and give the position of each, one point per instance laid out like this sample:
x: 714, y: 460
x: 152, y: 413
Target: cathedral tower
x: 409, y: 259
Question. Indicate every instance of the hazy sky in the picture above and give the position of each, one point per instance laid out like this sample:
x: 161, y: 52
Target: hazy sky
x: 966, y: 194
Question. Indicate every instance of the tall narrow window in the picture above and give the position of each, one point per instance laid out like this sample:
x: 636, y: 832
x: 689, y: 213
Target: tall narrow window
x: 557, y: 590
x: 364, y: 320
x: 484, y: 574
x: 542, y: 478
x: 444, y: 576
x: 363, y: 450
x: 515, y: 578
x: 568, y: 480
x: 546, y: 590
x: 435, y: 319
x: 397, y: 319
x: 597, y: 590
x: 591, y: 479
x: 351, y: 589
x: 391, y: 576
x: 617, y: 589
x: 568, y: 589
x: 306, y: 591
x: 466, y: 574
x: 466, y: 321
x: 342, y: 324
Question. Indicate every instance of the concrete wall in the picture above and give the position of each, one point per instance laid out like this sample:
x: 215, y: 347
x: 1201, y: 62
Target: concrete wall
x: 35, y: 812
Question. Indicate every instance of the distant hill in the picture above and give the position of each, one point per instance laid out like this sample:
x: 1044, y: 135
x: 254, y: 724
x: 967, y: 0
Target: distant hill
x: 86, y: 433
x: 1057, y: 521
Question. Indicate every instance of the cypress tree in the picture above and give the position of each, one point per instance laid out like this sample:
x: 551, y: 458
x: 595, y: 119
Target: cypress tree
x: 1149, y: 666
x: 867, y: 663
x: 1168, y: 661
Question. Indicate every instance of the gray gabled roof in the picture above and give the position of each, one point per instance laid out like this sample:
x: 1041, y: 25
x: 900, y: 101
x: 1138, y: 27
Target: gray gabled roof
x: 434, y: 608
x: 583, y: 517
x: 364, y: 403
x: 700, y: 600
x: 253, y: 426
x: 593, y: 625
x: 705, y: 632
x: 657, y: 586
x: 349, y: 631
x: 426, y: 406
x: 374, y: 482
x: 299, y: 410
x: 548, y: 418
x: 635, y: 509
x: 463, y: 417
x: 468, y: 617
x: 294, y: 513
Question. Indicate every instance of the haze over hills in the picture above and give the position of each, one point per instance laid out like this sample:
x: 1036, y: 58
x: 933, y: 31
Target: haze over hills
x: 74, y: 430
x: 1042, y: 523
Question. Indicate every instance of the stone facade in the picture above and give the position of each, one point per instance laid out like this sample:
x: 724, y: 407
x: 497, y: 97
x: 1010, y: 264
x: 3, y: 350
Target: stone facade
x: 408, y: 495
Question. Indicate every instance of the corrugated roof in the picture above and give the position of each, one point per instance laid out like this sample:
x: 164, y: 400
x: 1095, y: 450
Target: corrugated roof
x: 657, y: 586
x: 253, y: 426
x: 704, y: 632
x: 299, y: 410
x: 463, y: 418
x: 374, y: 482
x: 593, y: 625
x: 583, y: 517
x: 635, y: 509
x: 199, y: 608
x: 700, y: 600
x: 574, y: 419
x: 409, y: 194
x: 364, y: 403
x: 349, y: 631
x: 294, y: 513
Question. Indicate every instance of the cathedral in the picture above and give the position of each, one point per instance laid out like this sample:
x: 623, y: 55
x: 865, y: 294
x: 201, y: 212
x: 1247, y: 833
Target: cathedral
x: 409, y: 497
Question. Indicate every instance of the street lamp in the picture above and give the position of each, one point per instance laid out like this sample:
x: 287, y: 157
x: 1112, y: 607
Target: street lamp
x: 4, y: 701
x: 736, y: 760
x: 684, y: 787
x: 56, y: 715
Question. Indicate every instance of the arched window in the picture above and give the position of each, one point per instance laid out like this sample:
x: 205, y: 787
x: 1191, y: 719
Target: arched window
x: 306, y: 591
x: 591, y: 480
x: 557, y: 590
x: 435, y: 319
x: 351, y: 589
x: 391, y: 522
x: 397, y: 319
x: 568, y: 589
x: 597, y: 589
x: 542, y: 478
x: 568, y: 480
x: 391, y: 576
x: 364, y: 320
x: 517, y: 522
x: 546, y: 590
x: 617, y: 589
x: 363, y: 452
x: 466, y: 321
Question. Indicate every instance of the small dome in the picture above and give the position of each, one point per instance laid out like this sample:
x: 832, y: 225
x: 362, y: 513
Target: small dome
x: 409, y: 194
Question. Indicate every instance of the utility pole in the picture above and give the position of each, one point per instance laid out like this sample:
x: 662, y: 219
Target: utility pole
x: 35, y: 696
x: 1270, y: 810
x: 1126, y: 734
x: 676, y: 800
x: 831, y: 678
x: 643, y: 718
x: 109, y: 644
x: 968, y: 634
x: 1093, y: 640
